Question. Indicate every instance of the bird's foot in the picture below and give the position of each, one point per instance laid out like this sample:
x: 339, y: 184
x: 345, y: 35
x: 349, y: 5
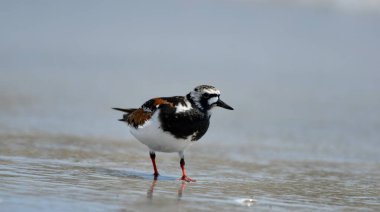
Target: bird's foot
x: 187, y: 179
x: 155, y: 175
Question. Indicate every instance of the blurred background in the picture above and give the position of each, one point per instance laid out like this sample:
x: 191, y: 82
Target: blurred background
x: 302, y: 75
x: 308, y: 70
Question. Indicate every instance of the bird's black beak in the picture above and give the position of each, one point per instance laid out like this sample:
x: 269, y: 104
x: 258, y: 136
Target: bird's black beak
x: 220, y: 103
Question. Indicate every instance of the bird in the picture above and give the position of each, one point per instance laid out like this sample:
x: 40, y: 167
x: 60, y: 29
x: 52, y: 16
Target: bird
x: 172, y: 124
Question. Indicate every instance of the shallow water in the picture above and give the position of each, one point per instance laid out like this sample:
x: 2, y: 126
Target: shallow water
x: 43, y: 172
x: 303, y: 79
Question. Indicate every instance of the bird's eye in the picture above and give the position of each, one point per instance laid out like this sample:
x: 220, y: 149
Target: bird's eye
x: 206, y: 95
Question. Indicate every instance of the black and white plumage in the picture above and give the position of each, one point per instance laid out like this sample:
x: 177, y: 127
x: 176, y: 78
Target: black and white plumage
x: 172, y: 124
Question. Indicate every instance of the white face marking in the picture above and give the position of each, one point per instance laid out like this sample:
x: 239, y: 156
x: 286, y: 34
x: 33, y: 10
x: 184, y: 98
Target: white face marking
x: 211, y: 91
x: 197, y: 96
x: 213, y: 100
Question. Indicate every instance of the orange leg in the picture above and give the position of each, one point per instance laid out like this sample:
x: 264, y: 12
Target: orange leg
x: 153, y: 158
x: 184, y: 176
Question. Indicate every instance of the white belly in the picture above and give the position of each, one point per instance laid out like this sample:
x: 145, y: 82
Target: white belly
x: 156, y: 139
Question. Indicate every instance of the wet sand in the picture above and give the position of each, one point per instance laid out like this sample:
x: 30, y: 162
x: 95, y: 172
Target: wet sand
x: 61, y: 172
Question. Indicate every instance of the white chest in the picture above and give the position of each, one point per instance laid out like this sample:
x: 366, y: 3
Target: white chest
x: 156, y: 139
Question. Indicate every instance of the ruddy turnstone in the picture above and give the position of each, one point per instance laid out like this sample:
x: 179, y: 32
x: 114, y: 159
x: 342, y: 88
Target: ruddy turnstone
x: 172, y: 124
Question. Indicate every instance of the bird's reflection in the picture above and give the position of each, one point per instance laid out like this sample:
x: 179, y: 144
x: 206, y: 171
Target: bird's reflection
x: 181, y: 189
x: 149, y: 193
x: 154, y: 183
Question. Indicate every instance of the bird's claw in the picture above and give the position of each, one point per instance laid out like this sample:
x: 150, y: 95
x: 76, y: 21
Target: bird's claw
x: 187, y: 179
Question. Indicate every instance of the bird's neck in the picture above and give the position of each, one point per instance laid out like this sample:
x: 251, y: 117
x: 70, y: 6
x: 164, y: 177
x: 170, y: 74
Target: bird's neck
x: 196, y: 105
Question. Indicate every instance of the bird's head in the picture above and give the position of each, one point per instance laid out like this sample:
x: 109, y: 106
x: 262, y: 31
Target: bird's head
x: 206, y: 97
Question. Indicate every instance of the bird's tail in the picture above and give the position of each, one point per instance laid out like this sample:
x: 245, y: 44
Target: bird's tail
x: 128, y: 111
